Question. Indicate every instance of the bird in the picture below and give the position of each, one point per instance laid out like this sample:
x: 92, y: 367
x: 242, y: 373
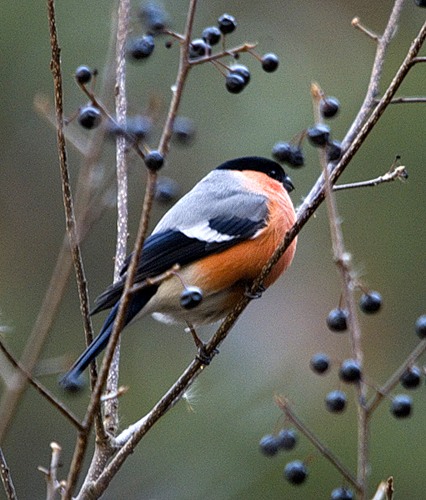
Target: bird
x: 220, y: 235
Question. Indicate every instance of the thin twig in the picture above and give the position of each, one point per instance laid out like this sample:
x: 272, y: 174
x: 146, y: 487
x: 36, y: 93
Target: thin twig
x: 6, y: 478
x: 356, y: 23
x: 111, y: 406
x: 385, y: 490
x: 408, y: 100
x: 284, y: 405
x: 56, y: 403
x: 376, y: 73
x: 66, y: 186
x: 245, y: 47
x: 53, y: 484
x: 398, y: 173
x: 393, y: 380
x: 103, y: 447
x: 343, y: 262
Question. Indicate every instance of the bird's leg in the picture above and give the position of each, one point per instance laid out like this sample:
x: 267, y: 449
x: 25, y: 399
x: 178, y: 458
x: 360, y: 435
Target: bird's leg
x: 255, y: 295
x: 202, y: 355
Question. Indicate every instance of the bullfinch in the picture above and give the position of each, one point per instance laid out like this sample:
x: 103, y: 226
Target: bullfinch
x: 220, y: 234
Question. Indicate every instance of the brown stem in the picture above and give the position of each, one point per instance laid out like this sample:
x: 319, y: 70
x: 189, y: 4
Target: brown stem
x: 6, y: 478
x: 284, y: 405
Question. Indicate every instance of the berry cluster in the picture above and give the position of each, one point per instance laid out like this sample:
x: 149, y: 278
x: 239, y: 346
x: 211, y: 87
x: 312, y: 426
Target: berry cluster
x: 237, y: 76
x: 319, y: 135
x: 349, y: 372
x: 155, y: 21
x: 295, y: 471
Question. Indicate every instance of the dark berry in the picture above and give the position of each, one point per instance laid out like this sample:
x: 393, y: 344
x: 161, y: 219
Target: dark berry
x: 421, y: 3
x: 166, y: 190
x: 335, y: 401
x: 154, y: 17
x: 83, y: 74
x: 234, y: 83
x: 285, y: 152
x: 269, y: 445
x: 411, y: 378
x: 154, y: 160
x: 320, y: 363
x: 329, y: 107
x: 191, y: 297
x: 319, y: 135
x: 211, y: 35
x: 199, y: 48
x: 183, y: 130
x: 241, y: 70
x: 337, y: 320
x: 296, y: 472
x: 350, y: 371
x: 342, y: 493
x: 334, y: 150
x: 401, y: 406
x: 270, y: 62
x: 287, y: 439
x: 138, y: 127
x: 89, y: 117
x: 227, y: 23
x: 141, y: 48
x: 370, y: 302
x: 421, y: 326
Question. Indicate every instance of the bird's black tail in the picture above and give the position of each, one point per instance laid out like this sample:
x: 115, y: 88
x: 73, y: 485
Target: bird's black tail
x: 70, y: 381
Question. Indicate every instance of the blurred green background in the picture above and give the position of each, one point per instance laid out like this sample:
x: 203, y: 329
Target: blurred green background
x: 209, y: 449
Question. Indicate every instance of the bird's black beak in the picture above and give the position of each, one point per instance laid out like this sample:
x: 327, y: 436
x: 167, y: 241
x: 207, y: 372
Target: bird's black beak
x: 289, y: 186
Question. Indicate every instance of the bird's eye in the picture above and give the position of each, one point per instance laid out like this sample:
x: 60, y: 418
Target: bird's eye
x: 274, y: 174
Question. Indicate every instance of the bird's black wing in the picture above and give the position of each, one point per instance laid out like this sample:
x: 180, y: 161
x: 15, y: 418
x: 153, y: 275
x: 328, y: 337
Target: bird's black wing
x: 163, y: 250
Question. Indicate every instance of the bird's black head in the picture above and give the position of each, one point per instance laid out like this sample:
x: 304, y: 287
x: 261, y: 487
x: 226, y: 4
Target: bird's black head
x: 259, y: 164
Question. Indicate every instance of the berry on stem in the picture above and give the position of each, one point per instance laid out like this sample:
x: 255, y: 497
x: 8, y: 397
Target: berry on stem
x: 286, y: 152
x: 287, y: 439
x: 335, y: 401
x: 370, y: 302
x: 296, y: 472
x: 411, y: 378
x: 191, y: 297
x: 421, y: 326
x: 350, y: 371
x: 334, y: 150
x: 226, y: 23
x: 234, y: 83
x: 89, y: 117
x: 154, y: 160
x: 154, y: 17
x: 269, y: 445
x: 199, y: 48
x: 342, y: 493
x: 329, y: 107
x: 240, y: 69
x: 401, y: 406
x: 270, y: 62
x: 141, y: 48
x: 337, y: 320
x: 138, y: 127
x: 319, y: 135
x: 183, y: 130
x: 320, y: 363
x: 83, y: 74
x: 166, y: 190
x: 211, y: 35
